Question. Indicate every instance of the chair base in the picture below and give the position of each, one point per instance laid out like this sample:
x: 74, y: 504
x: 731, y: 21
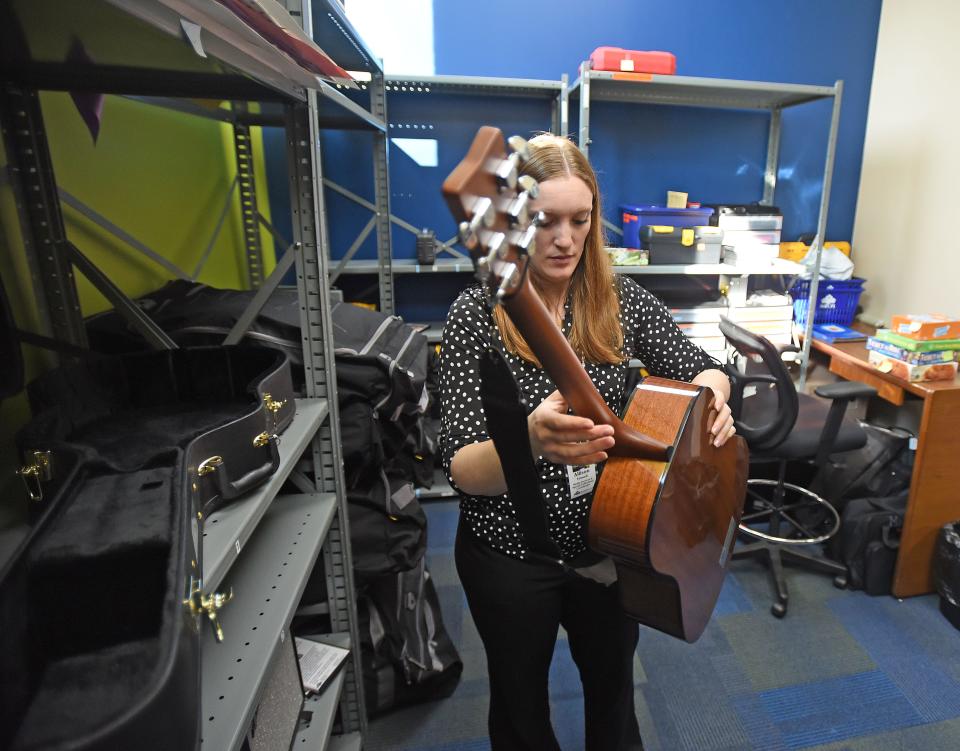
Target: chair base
x: 776, y: 512
x: 776, y: 555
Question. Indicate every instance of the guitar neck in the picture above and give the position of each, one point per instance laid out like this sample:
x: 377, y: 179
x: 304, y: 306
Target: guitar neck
x: 534, y: 322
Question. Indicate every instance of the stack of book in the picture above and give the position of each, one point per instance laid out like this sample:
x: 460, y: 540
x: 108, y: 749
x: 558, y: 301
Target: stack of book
x: 914, y: 359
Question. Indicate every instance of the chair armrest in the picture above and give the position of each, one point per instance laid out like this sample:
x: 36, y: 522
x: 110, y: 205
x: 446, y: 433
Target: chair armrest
x: 840, y: 393
x: 845, y: 390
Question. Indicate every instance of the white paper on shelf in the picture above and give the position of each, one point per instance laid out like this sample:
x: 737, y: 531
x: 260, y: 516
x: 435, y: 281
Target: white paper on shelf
x: 318, y: 662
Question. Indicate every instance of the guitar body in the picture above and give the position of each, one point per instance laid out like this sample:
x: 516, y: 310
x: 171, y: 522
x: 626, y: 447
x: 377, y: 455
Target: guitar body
x: 670, y: 525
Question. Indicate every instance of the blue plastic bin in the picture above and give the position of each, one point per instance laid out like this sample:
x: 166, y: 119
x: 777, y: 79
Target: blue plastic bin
x: 633, y: 217
x: 836, y: 300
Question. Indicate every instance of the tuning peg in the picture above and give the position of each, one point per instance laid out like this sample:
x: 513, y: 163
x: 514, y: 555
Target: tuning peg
x: 496, y: 248
x: 518, y: 215
x: 525, y: 242
x: 508, y: 281
x: 484, y: 215
x: 529, y: 185
x: 518, y: 144
x: 506, y: 172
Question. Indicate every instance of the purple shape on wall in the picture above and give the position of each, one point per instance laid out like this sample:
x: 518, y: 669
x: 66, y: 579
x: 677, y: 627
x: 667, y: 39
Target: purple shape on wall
x: 89, y: 104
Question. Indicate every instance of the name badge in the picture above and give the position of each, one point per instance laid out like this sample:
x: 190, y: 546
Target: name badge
x: 581, y: 478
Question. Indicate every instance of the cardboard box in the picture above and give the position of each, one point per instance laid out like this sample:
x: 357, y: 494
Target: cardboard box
x: 912, y: 357
x: 926, y: 326
x: 914, y: 345
x: 945, y: 371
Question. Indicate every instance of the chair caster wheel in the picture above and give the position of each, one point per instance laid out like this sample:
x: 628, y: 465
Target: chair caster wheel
x: 778, y: 609
x: 840, y: 581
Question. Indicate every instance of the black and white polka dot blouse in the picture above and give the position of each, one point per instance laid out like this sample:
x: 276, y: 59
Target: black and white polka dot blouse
x: 650, y: 335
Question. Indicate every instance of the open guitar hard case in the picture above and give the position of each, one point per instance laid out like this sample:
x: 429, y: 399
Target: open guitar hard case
x: 101, y: 644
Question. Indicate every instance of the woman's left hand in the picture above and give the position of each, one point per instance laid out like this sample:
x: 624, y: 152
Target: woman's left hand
x: 722, y: 429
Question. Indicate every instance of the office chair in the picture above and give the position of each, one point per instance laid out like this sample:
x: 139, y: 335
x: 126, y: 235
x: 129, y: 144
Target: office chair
x: 782, y: 426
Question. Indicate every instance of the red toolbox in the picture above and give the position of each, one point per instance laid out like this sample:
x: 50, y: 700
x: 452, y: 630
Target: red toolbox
x: 633, y: 61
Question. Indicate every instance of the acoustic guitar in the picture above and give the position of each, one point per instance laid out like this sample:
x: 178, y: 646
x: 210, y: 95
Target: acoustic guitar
x: 668, y: 502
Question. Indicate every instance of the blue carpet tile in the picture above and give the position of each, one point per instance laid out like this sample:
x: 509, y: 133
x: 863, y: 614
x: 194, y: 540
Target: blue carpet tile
x: 841, y: 672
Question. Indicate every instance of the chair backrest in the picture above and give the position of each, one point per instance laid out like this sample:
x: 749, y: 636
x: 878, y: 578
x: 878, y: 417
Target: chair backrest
x: 770, y: 422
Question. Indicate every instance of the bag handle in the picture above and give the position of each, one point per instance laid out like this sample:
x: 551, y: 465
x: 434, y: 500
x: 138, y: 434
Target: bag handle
x: 893, y: 524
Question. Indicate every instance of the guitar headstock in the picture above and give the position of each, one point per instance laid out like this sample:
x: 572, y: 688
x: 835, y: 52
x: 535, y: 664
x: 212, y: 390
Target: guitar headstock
x: 491, y: 204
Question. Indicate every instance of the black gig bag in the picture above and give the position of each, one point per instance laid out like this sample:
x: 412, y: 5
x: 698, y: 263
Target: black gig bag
x: 881, y: 468
x: 869, y: 540
x: 388, y: 526
x: 406, y: 652
x: 129, y: 455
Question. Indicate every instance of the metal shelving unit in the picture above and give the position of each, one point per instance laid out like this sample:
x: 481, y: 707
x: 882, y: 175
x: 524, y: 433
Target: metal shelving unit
x: 267, y: 582
x: 226, y: 532
x: 652, y: 89
x: 527, y: 88
x: 385, y: 266
x: 263, y: 546
x: 604, y: 86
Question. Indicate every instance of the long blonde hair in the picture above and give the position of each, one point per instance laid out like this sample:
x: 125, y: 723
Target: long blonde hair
x: 595, y: 335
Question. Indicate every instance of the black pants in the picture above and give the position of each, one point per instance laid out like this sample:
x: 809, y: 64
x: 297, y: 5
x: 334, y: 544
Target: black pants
x: 518, y: 607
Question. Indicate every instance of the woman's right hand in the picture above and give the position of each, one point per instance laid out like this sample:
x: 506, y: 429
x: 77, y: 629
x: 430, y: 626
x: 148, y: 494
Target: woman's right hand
x: 564, y: 438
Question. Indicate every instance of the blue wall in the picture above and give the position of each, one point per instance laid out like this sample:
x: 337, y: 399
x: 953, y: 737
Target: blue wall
x: 716, y: 155
x: 638, y: 151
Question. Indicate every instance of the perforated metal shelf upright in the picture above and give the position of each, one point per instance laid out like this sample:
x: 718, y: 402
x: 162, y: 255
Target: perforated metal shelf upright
x: 643, y: 88
x: 432, y: 89
x: 264, y: 545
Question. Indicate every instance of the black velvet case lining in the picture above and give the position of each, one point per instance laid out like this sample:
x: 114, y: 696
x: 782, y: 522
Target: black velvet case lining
x: 89, y: 610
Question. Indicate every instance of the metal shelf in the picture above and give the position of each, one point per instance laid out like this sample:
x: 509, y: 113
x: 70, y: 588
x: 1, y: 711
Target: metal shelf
x: 315, y: 734
x: 644, y: 88
x: 138, y: 47
x: 350, y: 742
x: 452, y: 266
x: 337, y: 111
x: 322, y: 707
x: 696, y: 92
x: 226, y: 532
x: 480, y: 85
x: 335, y: 35
x: 267, y: 584
x: 778, y: 266
x: 441, y: 488
x: 434, y: 332
x: 411, y: 266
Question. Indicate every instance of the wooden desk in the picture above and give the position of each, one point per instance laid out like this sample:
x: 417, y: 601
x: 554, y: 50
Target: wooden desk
x: 935, y: 486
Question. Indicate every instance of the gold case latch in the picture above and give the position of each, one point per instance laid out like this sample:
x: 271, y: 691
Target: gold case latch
x: 209, y: 605
x: 273, y: 407
x: 35, y: 474
x: 209, y: 465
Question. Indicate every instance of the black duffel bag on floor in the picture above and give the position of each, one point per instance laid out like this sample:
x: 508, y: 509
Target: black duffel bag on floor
x: 406, y: 651
x: 869, y: 540
x: 881, y: 468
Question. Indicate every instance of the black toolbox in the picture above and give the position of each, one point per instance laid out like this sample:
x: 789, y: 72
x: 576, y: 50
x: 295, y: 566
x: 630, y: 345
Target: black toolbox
x: 684, y: 245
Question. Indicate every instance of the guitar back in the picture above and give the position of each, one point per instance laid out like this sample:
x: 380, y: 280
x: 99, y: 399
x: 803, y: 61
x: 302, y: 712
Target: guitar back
x: 670, y: 525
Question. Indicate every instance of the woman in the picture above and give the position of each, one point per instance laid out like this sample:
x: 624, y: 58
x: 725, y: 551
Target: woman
x: 519, y: 599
